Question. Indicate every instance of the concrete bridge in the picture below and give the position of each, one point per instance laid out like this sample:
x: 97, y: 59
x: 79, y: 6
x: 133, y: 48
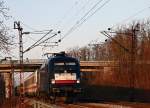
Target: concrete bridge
x: 32, y: 64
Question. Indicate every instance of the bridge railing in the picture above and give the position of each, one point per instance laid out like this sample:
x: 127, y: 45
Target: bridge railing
x: 25, y: 61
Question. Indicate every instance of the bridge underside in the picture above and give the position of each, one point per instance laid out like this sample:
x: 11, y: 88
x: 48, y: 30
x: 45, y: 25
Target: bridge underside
x: 6, y: 68
x: 86, y: 66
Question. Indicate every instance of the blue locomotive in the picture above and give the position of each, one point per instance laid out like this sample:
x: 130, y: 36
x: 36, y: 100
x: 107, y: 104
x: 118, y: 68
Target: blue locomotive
x: 59, y: 76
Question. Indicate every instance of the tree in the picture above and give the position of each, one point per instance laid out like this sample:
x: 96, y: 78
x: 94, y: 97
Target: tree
x: 5, y: 39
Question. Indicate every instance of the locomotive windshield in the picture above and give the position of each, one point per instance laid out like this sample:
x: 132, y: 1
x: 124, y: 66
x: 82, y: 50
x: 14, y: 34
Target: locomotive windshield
x: 60, y: 67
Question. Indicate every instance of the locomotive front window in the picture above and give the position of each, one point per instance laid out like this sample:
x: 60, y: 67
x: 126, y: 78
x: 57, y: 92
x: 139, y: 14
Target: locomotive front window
x: 59, y: 67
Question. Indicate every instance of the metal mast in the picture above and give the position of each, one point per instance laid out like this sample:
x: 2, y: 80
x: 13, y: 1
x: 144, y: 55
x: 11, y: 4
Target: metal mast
x: 20, y: 29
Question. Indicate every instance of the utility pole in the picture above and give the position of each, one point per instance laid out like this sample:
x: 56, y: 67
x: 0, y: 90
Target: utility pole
x: 20, y: 31
x: 133, y: 59
x: 132, y: 53
x: 21, y: 52
x: 11, y: 81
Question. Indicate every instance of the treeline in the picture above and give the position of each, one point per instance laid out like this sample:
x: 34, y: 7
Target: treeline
x: 126, y: 40
x: 130, y: 47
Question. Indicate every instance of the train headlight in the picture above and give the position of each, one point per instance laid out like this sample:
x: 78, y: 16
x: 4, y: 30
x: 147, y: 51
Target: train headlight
x: 53, y: 81
x: 78, y: 81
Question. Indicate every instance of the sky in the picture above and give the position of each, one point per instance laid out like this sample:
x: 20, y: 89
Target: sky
x: 61, y: 15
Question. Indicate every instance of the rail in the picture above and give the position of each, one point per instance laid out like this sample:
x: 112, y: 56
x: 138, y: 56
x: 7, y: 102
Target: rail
x: 39, y: 104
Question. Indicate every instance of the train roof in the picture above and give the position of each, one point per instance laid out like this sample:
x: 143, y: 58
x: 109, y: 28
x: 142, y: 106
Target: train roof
x: 62, y: 57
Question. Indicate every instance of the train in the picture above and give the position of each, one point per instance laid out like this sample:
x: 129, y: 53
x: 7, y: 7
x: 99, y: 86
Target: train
x: 59, y: 76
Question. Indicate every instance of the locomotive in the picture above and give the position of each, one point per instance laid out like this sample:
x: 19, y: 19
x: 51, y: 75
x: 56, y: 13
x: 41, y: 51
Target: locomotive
x: 59, y: 76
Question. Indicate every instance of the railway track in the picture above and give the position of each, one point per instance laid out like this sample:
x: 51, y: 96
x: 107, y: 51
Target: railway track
x: 41, y: 104
x: 73, y: 106
x: 32, y: 103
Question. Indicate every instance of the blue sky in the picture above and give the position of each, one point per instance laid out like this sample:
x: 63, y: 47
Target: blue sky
x: 63, y: 14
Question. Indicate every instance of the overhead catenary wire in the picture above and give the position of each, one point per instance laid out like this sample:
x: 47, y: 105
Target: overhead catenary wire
x: 44, y: 40
x: 67, y: 13
x: 90, y: 11
x: 15, y: 19
x: 85, y: 18
x: 31, y: 28
x: 88, y: 1
x: 131, y: 16
x: 38, y: 41
x: 28, y: 26
x: 77, y: 13
x: 82, y: 18
x: 107, y: 35
x: 29, y: 37
x: 35, y: 31
x: 92, y: 14
x: 78, y: 21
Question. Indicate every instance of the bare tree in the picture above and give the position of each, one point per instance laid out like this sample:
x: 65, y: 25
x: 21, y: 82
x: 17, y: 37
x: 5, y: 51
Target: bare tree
x: 5, y: 39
